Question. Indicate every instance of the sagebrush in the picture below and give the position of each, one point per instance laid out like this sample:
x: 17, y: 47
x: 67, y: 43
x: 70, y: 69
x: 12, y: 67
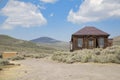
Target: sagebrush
x: 98, y: 55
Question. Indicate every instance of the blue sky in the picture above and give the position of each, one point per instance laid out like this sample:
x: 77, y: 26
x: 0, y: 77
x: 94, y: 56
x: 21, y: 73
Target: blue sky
x: 29, y: 19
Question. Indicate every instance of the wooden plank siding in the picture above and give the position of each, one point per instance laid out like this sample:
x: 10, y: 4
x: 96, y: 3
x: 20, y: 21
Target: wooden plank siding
x: 8, y: 54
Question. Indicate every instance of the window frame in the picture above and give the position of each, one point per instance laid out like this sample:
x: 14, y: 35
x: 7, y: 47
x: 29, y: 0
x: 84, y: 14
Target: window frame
x: 101, y: 42
x: 80, y: 42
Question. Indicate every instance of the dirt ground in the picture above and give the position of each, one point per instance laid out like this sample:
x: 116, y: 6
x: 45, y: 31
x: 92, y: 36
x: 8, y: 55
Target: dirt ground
x: 44, y: 69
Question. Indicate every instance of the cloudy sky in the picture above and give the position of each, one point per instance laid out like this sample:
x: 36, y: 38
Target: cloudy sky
x: 29, y: 19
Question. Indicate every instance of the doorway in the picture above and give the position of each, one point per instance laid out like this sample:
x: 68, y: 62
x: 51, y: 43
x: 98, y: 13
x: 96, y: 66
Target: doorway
x: 91, y: 43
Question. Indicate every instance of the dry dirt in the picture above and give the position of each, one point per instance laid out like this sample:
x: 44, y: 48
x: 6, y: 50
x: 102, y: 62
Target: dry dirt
x: 44, y: 69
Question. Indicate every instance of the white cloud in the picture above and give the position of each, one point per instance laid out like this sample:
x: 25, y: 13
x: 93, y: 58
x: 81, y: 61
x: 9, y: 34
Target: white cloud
x: 95, y: 10
x: 48, y: 1
x: 21, y: 14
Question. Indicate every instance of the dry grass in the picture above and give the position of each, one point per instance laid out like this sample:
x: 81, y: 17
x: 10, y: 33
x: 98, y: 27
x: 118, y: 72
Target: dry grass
x: 41, y: 55
x: 18, y: 57
x: 108, y: 55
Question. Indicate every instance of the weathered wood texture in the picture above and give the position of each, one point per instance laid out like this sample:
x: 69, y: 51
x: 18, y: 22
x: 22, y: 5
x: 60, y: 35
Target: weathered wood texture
x: 8, y: 54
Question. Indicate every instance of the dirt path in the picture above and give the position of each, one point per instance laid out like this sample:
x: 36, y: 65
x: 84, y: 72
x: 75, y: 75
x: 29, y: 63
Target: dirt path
x: 42, y: 69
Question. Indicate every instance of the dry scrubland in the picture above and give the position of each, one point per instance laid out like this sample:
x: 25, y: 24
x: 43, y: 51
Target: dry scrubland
x: 27, y: 49
x: 108, y: 55
x: 78, y: 67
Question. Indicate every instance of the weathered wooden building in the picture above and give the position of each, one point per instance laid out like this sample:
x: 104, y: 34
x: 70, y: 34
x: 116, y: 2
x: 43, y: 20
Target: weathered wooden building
x: 89, y: 37
x: 8, y: 54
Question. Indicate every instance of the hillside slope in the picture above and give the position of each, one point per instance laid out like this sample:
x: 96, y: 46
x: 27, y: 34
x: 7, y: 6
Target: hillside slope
x: 8, y: 43
x: 116, y: 40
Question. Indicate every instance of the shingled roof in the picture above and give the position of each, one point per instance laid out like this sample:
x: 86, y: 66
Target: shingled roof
x: 88, y: 30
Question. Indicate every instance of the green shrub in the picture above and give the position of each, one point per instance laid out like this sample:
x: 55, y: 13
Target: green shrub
x: 17, y: 58
x: 41, y: 55
x: 60, y: 56
x: 85, y: 58
x: 94, y: 58
x: 3, y: 62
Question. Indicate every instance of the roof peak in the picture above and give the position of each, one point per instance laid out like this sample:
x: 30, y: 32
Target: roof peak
x: 90, y: 30
x: 89, y: 27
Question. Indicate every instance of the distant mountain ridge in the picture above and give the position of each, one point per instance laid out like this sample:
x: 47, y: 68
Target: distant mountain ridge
x: 50, y: 42
x: 45, y: 40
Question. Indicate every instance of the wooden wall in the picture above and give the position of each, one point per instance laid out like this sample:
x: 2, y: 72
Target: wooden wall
x: 85, y: 41
x: 8, y: 54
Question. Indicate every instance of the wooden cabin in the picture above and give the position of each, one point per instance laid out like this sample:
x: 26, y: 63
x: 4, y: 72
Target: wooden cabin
x: 8, y: 54
x: 89, y: 37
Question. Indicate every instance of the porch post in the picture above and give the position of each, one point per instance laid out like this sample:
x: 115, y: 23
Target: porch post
x: 71, y: 46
